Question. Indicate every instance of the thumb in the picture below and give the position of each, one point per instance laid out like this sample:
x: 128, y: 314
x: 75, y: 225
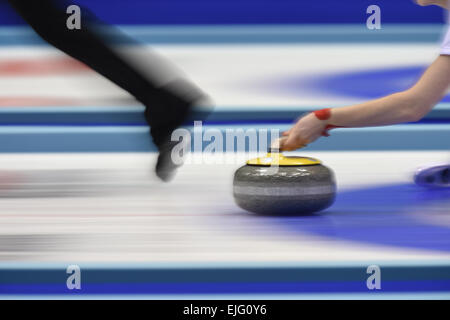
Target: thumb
x: 291, y: 143
x: 286, y: 143
x: 278, y: 143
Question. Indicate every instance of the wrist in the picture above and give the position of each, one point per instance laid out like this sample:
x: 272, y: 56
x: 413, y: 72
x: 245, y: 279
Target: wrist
x: 324, y: 115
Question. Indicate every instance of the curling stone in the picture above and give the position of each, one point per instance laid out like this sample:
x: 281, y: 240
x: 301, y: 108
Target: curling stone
x: 282, y: 185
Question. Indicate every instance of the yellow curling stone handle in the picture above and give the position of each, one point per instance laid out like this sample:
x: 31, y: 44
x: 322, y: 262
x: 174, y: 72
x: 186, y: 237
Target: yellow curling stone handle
x: 275, y: 158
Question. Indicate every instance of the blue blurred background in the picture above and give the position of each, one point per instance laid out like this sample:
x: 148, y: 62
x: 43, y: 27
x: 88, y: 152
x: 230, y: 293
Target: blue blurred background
x: 162, y: 12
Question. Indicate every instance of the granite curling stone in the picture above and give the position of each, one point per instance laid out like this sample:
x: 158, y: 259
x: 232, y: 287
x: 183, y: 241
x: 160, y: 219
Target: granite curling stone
x: 282, y: 185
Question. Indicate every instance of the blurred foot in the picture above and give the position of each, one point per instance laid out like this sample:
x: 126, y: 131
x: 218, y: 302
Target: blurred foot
x: 433, y: 176
x: 166, y: 166
x: 178, y: 103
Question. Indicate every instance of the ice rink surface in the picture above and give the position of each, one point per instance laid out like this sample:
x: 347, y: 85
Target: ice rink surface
x: 107, y: 211
x: 111, y: 208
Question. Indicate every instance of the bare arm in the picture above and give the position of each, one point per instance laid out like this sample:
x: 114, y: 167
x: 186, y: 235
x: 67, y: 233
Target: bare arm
x: 407, y: 106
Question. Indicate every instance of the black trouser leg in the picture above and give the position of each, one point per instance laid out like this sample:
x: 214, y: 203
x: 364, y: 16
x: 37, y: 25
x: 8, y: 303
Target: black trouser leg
x: 48, y: 18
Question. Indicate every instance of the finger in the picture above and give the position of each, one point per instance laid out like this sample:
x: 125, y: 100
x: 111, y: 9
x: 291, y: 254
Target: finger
x: 291, y: 144
x: 278, y: 142
x: 281, y: 141
x: 283, y: 144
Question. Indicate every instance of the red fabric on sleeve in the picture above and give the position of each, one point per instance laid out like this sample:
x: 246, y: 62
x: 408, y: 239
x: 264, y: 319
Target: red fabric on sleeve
x: 323, y: 114
x: 325, y: 133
